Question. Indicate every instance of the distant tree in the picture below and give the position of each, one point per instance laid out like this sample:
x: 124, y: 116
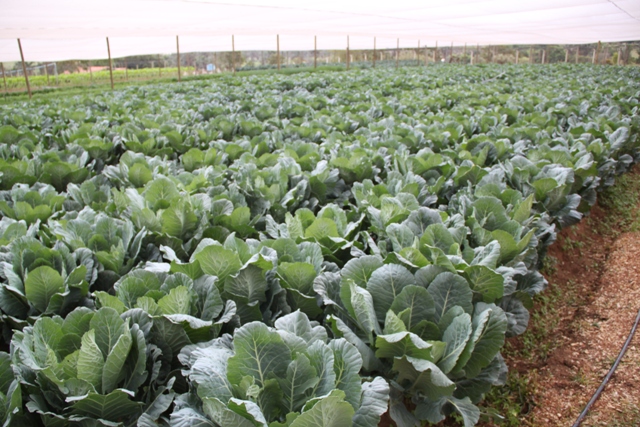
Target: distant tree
x: 226, y: 60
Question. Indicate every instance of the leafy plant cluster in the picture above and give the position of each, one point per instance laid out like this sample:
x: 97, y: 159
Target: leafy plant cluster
x: 310, y: 250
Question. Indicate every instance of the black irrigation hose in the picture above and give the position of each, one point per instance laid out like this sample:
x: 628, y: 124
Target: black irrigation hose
x: 611, y: 371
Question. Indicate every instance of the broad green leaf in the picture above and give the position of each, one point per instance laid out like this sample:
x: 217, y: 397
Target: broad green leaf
x: 423, y: 376
x: 297, y: 275
x: 41, y: 284
x: 108, y: 327
x: 178, y: 301
x: 239, y: 218
x: 139, y: 175
x: 299, y: 325
x: 413, y: 305
x: 322, y: 228
x: 330, y: 411
x: 259, y: 352
x: 437, y: 235
x: 78, y: 321
x: 375, y: 402
x: 114, y: 363
x: 363, y: 309
x: 301, y: 376
x: 523, y: 211
x: 149, y: 305
x: 489, y: 212
x: 247, y: 409
x: 90, y: 361
x: 115, y: 406
x: 428, y: 331
x: 270, y: 399
x: 543, y: 187
x: 192, y: 159
x: 191, y: 269
x: 448, y: 290
x: 402, y: 344
x: 103, y: 299
x: 179, y: 221
x: 618, y: 138
x: 360, y: 269
x: 393, y: 324
x: 489, y: 341
x: 385, y: 284
x: 307, y: 304
x: 485, y: 281
x: 189, y: 417
x: 401, y: 236
x: 218, y: 261
x: 135, y: 285
x: 6, y: 373
x: 347, y: 364
x: 322, y: 360
x: 427, y: 274
x: 422, y: 218
x: 456, y: 337
x: 340, y: 329
x: 160, y: 192
x: 469, y: 412
x: 508, y: 245
x: 248, y: 286
x: 209, y: 372
x: 412, y: 257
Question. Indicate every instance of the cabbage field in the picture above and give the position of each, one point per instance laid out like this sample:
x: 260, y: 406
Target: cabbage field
x: 308, y: 250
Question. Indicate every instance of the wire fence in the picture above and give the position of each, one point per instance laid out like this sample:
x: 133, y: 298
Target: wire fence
x: 144, y: 68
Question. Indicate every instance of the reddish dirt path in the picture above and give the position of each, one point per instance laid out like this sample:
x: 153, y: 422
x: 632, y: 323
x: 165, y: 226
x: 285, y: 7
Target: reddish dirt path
x: 589, y: 345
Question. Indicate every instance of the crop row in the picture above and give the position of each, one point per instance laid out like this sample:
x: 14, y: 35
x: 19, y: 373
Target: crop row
x: 309, y: 250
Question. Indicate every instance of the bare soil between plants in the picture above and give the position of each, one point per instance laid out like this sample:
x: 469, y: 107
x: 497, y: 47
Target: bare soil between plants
x: 594, y: 280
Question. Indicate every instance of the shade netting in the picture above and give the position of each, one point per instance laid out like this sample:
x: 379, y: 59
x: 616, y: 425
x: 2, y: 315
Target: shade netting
x: 52, y: 30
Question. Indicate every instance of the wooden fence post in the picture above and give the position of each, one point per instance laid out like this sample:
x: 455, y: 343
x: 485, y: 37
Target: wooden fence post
x: 542, y: 56
x: 517, y: 55
x: 90, y: 73
x: 278, y: 50
x: 464, y: 53
x: 110, y: 63
x: 619, y: 55
x: 347, y: 58
x: 471, y: 59
x: 530, y: 54
x: 566, y: 55
x: 417, y: 53
x: 4, y: 77
x: 46, y: 72
x: 126, y: 69
x: 178, y: 59
x: 233, y: 54
x: 593, y: 59
x: 398, y: 53
x: 577, y: 53
x: 374, y: 52
x: 426, y: 55
x: 451, y: 55
x: 24, y: 69
x: 435, y: 53
x: 315, y: 52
